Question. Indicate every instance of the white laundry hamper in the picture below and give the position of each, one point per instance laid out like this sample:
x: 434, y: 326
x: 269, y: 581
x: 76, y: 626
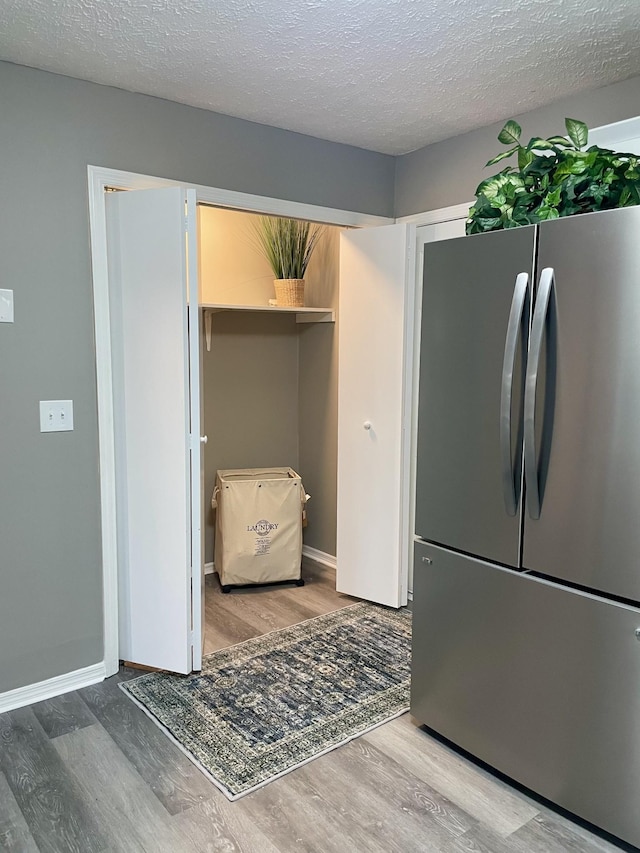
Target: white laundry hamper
x: 258, y: 526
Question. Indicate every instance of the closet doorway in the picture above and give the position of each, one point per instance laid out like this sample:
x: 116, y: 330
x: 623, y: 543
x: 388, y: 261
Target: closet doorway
x: 143, y: 613
x: 269, y: 399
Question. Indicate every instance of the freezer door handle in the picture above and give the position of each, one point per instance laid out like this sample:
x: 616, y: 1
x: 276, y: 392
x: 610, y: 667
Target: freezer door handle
x: 531, y: 384
x: 518, y: 304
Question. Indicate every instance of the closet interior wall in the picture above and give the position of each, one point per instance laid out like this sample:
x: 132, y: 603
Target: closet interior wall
x: 269, y: 388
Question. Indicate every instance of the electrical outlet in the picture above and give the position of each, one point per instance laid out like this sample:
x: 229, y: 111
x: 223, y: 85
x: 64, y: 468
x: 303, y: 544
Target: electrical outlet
x: 6, y: 306
x: 56, y: 415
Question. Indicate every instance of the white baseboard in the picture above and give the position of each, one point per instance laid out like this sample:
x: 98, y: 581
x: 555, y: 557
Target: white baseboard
x: 22, y: 696
x: 327, y: 560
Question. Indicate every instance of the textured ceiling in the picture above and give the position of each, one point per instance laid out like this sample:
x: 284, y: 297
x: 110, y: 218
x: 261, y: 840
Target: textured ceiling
x: 389, y: 75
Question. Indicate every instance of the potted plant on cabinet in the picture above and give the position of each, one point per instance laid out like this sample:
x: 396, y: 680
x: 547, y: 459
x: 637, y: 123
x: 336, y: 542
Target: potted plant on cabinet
x: 287, y: 245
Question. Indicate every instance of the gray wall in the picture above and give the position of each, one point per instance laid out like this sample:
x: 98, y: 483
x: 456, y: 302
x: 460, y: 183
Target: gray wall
x: 51, y: 127
x: 270, y: 398
x: 448, y: 172
x: 250, y: 394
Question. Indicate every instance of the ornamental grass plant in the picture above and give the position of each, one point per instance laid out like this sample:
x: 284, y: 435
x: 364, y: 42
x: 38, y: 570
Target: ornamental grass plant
x: 287, y: 244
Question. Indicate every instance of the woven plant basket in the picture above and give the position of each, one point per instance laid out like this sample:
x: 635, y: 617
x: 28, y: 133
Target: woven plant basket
x: 289, y: 292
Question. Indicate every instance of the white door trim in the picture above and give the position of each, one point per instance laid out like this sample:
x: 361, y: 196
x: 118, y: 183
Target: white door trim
x: 99, y: 179
x: 616, y: 134
x: 435, y: 217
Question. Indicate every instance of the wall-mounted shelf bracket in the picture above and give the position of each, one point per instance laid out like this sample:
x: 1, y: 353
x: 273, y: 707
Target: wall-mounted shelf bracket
x: 303, y: 315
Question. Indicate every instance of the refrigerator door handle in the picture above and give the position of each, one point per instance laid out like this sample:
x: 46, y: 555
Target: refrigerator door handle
x: 518, y: 303
x: 531, y: 384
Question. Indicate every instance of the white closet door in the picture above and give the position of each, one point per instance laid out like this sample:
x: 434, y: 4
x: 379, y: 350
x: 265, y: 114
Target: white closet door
x: 374, y: 404
x: 197, y: 439
x: 153, y: 410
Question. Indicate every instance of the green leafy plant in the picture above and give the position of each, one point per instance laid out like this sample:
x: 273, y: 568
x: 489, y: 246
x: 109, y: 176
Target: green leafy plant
x: 287, y: 244
x: 558, y: 176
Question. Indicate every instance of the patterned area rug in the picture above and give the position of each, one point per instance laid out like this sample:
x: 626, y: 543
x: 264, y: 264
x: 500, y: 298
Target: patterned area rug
x: 266, y: 706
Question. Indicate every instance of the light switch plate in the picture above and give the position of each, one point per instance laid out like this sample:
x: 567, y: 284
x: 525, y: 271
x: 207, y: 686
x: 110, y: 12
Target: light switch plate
x: 56, y: 415
x: 6, y: 306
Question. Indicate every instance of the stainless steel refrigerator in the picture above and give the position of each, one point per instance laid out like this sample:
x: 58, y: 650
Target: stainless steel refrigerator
x: 526, y: 648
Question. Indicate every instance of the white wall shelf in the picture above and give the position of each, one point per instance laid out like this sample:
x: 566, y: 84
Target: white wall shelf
x: 303, y: 315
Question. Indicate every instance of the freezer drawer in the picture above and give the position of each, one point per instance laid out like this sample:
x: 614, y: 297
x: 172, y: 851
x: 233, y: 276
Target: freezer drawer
x: 539, y: 681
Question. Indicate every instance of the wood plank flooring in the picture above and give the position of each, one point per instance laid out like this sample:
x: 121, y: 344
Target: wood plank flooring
x: 246, y: 613
x: 88, y: 772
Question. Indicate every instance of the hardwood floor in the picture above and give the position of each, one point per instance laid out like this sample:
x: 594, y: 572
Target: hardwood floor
x: 88, y: 772
x: 246, y: 613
